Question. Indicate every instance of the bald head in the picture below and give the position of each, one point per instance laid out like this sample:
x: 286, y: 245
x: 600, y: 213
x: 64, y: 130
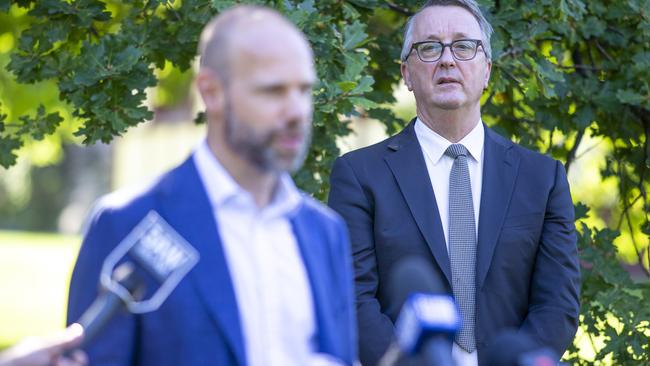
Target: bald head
x: 256, y: 79
x: 247, y: 29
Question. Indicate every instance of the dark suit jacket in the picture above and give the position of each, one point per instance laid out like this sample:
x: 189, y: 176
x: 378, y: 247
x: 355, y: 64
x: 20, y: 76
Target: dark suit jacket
x: 199, y: 323
x: 527, y: 271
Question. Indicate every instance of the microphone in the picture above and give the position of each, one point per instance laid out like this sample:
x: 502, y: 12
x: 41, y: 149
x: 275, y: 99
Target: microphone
x: 511, y: 348
x: 428, y: 319
x: 108, y: 303
x: 153, y: 249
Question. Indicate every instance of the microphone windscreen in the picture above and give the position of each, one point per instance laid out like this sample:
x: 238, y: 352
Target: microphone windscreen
x: 507, y: 348
x: 413, y: 275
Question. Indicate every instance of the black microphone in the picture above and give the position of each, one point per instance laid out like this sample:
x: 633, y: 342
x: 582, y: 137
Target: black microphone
x: 429, y: 318
x: 511, y: 348
x: 153, y: 249
x: 108, y: 303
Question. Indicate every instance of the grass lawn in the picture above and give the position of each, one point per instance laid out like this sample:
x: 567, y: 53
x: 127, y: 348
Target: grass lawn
x: 34, y: 274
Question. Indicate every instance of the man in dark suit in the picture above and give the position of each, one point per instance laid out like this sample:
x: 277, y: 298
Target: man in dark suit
x: 494, y: 219
x: 273, y: 285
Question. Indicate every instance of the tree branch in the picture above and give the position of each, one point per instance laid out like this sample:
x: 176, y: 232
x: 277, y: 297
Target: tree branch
x: 576, y: 59
x: 572, y: 153
x: 512, y: 51
x: 639, y: 255
x: 625, y: 209
x: 645, y: 120
x: 399, y: 9
x: 625, y: 215
x: 602, y: 50
x: 590, y: 54
x: 581, y: 67
x: 510, y: 75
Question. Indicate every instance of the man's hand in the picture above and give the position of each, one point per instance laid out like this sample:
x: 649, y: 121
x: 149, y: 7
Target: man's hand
x: 47, y: 351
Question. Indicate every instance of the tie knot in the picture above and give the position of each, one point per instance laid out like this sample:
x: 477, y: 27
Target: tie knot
x: 456, y: 150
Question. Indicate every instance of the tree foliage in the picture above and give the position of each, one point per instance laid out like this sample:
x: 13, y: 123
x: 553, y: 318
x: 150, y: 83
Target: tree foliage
x: 562, y: 70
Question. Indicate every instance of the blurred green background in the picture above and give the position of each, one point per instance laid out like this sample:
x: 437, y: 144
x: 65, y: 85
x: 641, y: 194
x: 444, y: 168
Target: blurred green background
x: 34, y: 274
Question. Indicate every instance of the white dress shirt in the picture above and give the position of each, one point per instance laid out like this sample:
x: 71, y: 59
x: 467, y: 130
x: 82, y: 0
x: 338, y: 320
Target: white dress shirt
x: 439, y: 166
x: 271, y: 285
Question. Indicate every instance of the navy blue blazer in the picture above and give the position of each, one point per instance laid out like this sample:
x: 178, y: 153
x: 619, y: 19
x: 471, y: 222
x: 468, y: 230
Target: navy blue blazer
x: 199, y: 323
x: 527, y: 273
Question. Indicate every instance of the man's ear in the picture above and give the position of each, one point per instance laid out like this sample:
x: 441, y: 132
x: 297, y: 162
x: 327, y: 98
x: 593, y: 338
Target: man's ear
x: 212, y: 91
x: 487, y: 74
x: 406, y: 75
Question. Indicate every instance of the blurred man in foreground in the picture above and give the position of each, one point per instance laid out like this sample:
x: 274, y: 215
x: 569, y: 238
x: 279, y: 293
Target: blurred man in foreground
x: 273, y: 285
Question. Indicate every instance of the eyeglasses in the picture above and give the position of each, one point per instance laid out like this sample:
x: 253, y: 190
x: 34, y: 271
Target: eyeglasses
x: 431, y: 51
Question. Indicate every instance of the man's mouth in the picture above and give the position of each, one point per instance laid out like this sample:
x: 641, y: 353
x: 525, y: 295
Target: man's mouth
x: 445, y: 80
x: 291, y: 141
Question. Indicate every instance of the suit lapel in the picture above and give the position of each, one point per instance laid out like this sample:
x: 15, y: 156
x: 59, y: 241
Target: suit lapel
x: 314, y: 258
x: 500, y: 166
x: 188, y: 210
x: 406, y: 161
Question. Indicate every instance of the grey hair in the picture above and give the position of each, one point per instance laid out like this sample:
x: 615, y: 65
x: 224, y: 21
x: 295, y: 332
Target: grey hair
x: 469, y: 5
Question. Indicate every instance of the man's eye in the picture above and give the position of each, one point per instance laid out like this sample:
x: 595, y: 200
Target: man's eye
x: 273, y: 90
x: 463, y: 46
x: 430, y: 47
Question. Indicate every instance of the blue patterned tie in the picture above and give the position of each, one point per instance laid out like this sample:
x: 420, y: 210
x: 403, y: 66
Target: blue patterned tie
x: 462, y: 244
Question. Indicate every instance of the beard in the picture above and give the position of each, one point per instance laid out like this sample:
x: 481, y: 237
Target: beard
x: 257, y: 146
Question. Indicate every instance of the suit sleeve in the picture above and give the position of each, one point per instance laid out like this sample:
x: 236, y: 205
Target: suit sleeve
x: 348, y: 198
x: 114, y: 344
x: 554, y: 297
x: 345, y: 283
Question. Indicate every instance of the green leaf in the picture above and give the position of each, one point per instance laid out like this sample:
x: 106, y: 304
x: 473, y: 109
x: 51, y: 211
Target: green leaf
x: 307, y: 6
x: 8, y: 144
x: 531, y: 88
x: 126, y: 59
x: 581, y: 211
x: 355, y: 62
x: 593, y: 27
x: 364, y: 85
x: 628, y: 96
x: 636, y: 293
x: 369, y: 4
x: 200, y: 118
x: 354, y: 35
x: 363, y: 102
x: 584, y: 116
x: 221, y: 5
x: 349, y: 12
x: 347, y: 86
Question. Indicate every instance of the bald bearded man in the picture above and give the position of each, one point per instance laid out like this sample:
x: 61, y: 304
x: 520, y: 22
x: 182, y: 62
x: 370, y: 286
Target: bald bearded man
x: 273, y: 285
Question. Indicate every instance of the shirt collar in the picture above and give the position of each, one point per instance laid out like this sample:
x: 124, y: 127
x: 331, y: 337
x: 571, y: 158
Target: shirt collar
x: 223, y: 189
x: 435, y: 145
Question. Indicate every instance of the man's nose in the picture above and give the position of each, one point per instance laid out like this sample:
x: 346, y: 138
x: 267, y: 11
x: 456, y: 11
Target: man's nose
x: 447, y: 58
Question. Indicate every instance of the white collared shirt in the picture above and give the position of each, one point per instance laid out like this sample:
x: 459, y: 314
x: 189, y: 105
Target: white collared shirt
x: 271, y: 284
x: 439, y: 166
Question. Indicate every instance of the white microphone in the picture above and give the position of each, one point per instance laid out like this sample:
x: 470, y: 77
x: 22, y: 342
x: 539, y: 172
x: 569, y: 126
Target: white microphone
x: 154, y: 249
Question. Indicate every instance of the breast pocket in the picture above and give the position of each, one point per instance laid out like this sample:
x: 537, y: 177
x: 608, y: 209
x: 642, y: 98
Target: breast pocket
x: 524, y: 221
x: 521, y: 233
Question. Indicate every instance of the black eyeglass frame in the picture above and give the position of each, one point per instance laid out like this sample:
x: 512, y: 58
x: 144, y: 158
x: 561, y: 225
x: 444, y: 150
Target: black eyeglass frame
x: 415, y: 45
